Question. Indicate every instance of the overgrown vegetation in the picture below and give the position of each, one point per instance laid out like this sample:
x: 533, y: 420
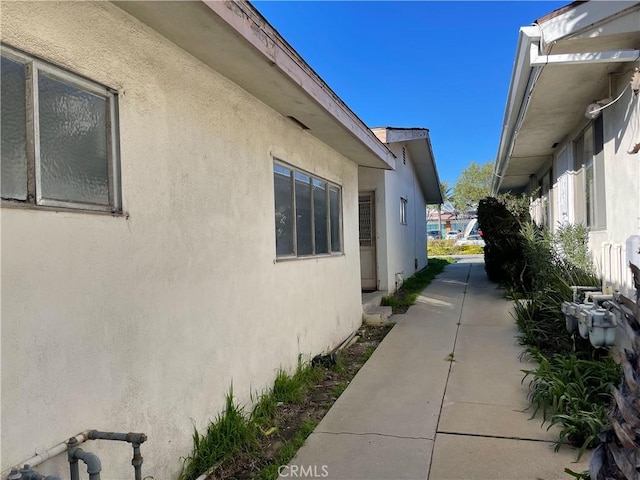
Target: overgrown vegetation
x: 572, y: 383
x: 407, y: 294
x: 242, y: 445
x: 550, y: 265
x: 449, y: 247
x: 500, y: 220
x: 573, y: 393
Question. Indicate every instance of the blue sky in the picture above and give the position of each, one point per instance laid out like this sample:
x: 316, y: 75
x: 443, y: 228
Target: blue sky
x: 445, y: 66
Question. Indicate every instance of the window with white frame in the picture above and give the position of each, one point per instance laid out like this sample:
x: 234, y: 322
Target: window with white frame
x: 58, y: 137
x: 589, y: 158
x: 308, y: 213
x: 403, y: 210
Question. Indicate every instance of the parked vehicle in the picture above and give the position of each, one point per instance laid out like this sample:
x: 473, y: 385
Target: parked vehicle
x: 453, y: 235
x: 434, y: 234
x: 471, y: 240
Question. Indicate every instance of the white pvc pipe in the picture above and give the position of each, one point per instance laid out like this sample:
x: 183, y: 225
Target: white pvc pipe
x: 585, y: 57
x: 39, y: 458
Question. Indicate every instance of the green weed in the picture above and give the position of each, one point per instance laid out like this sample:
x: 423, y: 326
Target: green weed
x: 288, y: 451
x: 228, y: 435
x: 235, y: 433
x: 573, y: 393
x: 338, y: 389
x: 367, y: 353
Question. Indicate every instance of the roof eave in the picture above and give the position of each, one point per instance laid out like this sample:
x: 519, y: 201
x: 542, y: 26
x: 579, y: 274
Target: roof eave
x: 418, y: 142
x: 520, y: 79
x: 219, y: 33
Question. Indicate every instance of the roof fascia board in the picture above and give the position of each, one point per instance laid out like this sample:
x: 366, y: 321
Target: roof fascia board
x: 520, y: 83
x: 583, y: 16
x: 406, y: 135
x: 241, y: 16
x: 425, y: 167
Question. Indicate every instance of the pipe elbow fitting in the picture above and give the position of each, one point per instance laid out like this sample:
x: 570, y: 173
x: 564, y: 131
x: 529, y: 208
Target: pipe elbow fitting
x: 91, y: 460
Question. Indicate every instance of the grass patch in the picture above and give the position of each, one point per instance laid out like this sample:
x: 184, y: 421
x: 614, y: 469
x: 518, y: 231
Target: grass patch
x: 288, y: 451
x: 236, y: 434
x: 237, y: 444
x: 338, y: 389
x: 368, y: 352
x: 407, y: 294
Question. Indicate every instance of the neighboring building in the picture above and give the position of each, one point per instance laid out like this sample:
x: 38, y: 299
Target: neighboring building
x: 180, y: 214
x: 571, y: 130
x: 451, y: 222
x: 392, y: 209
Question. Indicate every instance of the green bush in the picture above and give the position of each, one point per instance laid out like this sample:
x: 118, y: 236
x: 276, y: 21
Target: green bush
x: 574, y: 393
x: 500, y: 220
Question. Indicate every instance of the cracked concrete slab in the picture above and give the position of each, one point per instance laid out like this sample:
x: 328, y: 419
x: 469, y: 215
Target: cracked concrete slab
x: 460, y: 457
x: 494, y: 421
x: 365, y: 457
x: 399, y: 390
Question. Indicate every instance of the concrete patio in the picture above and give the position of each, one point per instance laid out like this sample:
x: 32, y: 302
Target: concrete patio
x: 441, y: 398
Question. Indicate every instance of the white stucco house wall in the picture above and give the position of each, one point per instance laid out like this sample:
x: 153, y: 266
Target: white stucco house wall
x: 155, y: 158
x: 571, y: 130
x: 393, y: 237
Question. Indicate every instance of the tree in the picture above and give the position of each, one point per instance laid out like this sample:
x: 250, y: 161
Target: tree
x: 447, y: 197
x: 447, y: 193
x: 473, y: 185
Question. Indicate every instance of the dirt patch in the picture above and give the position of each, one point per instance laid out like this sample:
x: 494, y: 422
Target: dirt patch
x: 294, y: 422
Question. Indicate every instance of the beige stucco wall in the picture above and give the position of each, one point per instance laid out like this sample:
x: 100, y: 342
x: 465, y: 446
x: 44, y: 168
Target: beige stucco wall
x: 141, y: 322
x: 622, y: 181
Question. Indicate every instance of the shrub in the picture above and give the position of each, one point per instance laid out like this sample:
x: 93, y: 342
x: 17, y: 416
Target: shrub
x: 500, y: 220
x: 574, y: 393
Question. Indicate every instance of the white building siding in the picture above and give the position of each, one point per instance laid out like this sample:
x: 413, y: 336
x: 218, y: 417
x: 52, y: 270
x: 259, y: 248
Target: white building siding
x: 398, y: 245
x: 405, y: 242
x: 621, y: 189
x: 141, y: 322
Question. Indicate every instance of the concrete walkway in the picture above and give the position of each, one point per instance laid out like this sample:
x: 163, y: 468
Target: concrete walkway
x: 412, y: 413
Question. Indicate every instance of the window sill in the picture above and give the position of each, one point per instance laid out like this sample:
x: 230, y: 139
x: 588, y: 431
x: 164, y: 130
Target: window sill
x: 308, y: 257
x: 30, y: 206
